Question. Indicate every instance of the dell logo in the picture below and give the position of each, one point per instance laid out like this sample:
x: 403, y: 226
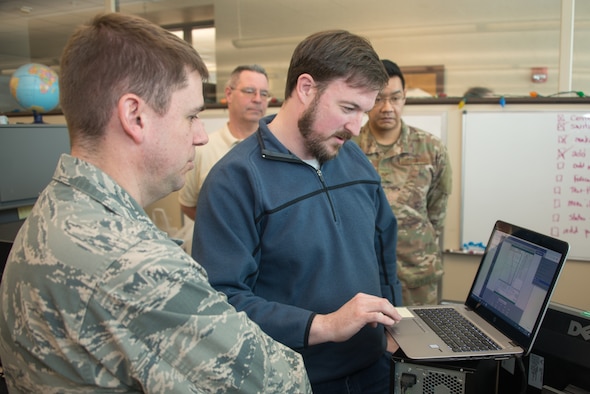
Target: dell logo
x: 576, y: 329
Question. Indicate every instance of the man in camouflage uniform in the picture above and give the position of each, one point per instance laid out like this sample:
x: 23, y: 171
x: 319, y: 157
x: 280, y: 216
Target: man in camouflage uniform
x: 416, y: 176
x: 94, y: 297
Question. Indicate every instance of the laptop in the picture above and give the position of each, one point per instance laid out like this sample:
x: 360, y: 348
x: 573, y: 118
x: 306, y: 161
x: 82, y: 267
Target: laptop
x: 507, y: 301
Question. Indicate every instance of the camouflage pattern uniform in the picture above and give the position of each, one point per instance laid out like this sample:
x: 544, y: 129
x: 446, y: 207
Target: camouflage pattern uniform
x: 416, y: 176
x: 96, y: 299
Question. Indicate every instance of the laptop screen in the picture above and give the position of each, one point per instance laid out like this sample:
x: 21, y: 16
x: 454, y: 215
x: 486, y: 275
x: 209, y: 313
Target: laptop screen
x: 515, y: 280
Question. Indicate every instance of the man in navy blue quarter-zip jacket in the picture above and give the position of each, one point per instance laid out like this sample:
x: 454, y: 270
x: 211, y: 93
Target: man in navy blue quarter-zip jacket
x: 294, y: 227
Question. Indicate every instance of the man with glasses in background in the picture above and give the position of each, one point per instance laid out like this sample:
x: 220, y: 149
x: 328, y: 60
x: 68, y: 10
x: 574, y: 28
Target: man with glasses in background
x: 416, y: 176
x: 247, y: 98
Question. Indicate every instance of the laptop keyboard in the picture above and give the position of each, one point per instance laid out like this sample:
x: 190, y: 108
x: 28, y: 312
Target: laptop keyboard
x: 456, y: 331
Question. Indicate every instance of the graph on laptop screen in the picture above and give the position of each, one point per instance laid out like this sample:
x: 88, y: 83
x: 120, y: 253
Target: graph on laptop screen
x: 517, y: 276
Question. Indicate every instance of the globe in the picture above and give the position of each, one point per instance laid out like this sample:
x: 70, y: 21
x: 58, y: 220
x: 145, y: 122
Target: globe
x: 35, y: 87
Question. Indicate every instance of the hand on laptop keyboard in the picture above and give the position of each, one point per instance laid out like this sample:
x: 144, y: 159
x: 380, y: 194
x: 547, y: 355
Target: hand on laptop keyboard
x: 359, y: 311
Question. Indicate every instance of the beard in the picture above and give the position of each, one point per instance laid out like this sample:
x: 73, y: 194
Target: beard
x: 315, y: 144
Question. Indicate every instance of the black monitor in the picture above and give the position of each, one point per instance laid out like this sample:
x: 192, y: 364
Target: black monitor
x: 28, y: 157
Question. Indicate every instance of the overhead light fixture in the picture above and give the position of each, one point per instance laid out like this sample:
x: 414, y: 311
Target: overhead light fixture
x: 242, y: 43
x: 406, y: 31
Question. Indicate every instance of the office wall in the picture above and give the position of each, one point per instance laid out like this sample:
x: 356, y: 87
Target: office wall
x: 572, y: 288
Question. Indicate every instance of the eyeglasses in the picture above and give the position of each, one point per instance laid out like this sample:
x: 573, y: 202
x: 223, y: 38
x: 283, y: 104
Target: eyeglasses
x: 394, y: 100
x: 264, y: 94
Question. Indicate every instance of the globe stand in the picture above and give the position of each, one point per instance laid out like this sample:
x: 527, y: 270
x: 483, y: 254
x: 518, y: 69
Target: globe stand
x: 38, y: 118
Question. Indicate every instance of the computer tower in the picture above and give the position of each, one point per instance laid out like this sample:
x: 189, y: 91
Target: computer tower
x: 459, y: 377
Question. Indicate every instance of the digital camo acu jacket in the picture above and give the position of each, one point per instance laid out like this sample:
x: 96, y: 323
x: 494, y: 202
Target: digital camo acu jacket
x: 416, y: 176
x: 96, y: 299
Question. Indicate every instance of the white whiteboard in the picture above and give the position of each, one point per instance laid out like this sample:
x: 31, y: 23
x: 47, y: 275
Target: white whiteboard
x: 433, y: 123
x: 528, y: 168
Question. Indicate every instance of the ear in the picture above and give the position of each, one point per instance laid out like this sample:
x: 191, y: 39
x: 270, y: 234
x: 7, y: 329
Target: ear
x: 130, y: 109
x: 228, y: 92
x: 305, y: 88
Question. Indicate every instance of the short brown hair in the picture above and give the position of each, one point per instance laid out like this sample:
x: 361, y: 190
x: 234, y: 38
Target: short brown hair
x: 235, y: 74
x: 335, y: 54
x: 116, y: 54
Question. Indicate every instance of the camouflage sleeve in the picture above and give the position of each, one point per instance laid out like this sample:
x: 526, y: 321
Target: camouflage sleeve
x: 440, y: 189
x: 166, y: 327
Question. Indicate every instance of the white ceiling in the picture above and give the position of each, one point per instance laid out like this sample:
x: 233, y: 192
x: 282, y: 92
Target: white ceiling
x: 36, y: 30
x: 415, y: 32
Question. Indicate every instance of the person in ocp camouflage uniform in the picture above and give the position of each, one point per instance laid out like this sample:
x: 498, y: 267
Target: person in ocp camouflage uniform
x: 416, y: 176
x: 94, y: 297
